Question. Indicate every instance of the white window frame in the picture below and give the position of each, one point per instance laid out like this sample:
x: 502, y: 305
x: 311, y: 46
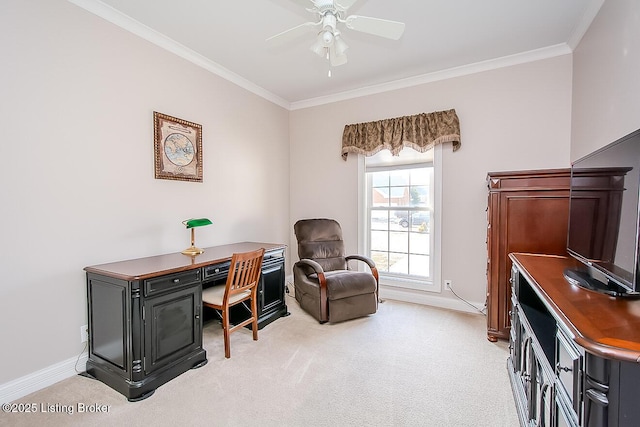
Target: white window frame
x: 434, y: 285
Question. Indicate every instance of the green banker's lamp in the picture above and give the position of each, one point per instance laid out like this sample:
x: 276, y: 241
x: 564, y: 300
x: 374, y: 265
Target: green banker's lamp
x: 192, y: 224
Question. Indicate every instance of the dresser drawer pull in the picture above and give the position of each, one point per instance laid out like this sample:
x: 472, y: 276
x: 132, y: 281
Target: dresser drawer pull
x: 176, y: 280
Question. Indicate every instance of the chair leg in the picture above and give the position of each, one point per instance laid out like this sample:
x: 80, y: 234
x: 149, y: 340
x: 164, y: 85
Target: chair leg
x: 225, y: 327
x: 254, y: 323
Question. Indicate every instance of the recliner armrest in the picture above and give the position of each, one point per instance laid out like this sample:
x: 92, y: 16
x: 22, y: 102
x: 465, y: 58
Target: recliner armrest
x: 322, y: 281
x: 370, y: 263
x: 362, y: 258
x: 313, y: 264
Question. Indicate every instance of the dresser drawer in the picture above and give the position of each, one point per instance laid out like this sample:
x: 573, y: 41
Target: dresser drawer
x: 569, y: 372
x: 170, y: 282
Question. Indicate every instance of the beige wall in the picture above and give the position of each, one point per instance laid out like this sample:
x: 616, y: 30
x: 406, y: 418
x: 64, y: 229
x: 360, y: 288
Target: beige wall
x: 77, y: 186
x: 512, y: 118
x: 606, y: 88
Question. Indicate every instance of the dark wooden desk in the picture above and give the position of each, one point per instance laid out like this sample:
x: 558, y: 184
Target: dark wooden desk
x: 145, y: 315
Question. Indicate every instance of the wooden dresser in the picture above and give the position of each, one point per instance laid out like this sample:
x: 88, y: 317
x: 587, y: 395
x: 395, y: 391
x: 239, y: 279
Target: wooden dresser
x: 574, y: 354
x: 527, y: 211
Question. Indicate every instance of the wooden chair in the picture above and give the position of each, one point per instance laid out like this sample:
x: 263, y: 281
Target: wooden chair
x: 242, y: 283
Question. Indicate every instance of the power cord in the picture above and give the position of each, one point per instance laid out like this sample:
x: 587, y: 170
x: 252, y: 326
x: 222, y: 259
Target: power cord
x: 288, y: 291
x: 481, y: 311
x: 82, y: 373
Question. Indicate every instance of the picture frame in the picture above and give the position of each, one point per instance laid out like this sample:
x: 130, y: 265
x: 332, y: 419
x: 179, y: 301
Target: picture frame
x: 177, y: 148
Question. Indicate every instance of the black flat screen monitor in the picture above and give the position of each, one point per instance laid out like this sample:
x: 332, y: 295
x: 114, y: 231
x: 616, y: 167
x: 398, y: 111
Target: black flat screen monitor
x: 603, y: 218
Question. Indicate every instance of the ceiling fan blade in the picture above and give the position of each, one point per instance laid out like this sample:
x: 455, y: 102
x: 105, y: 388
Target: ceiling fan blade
x: 304, y: 3
x: 345, y: 4
x: 378, y: 27
x: 294, y: 32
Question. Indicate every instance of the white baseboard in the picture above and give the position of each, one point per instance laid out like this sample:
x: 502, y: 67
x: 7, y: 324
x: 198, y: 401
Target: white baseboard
x: 43, y: 378
x: 430, y: 299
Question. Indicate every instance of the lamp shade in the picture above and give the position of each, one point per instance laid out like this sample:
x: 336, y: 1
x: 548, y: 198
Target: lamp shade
x: 196, y: 222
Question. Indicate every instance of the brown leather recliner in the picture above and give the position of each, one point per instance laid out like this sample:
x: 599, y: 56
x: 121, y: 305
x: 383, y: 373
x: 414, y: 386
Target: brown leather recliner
x: 325, y: 286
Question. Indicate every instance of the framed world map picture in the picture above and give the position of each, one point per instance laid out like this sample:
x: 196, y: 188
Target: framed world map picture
x: 177, y: 148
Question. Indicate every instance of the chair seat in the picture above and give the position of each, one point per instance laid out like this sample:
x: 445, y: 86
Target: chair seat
x: 347, y: 283
x: 215, y: 294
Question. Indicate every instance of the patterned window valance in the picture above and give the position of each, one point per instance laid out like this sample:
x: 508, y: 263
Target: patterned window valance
x: 420, y: 132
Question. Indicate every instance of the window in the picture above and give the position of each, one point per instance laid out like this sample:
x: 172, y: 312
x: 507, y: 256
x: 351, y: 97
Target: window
x: 400, y: 206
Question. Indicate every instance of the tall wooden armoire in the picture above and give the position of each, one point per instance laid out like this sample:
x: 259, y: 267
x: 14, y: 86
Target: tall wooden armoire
x: 528, y: 211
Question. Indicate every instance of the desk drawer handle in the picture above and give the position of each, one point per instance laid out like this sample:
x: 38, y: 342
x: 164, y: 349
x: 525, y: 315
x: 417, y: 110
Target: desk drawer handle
x: 176, y: 280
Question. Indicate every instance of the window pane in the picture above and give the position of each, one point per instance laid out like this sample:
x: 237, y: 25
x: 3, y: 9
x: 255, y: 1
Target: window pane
x: 399, y: 196
x: 419, y: 176
x: 419, y: 195
x: 379, y: 220
x: 380, y: 179
x: 379, y: 241
x: 399, y: 177
x: 381, y: 259
x: 398, y: 241
x: 419, y: 243
x: 380, y: 190
x: 420, y: 221
x: 398, y: 263
x: 419, y: 265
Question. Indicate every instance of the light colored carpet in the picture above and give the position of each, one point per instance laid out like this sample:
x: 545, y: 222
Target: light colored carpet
x: 407, y: 365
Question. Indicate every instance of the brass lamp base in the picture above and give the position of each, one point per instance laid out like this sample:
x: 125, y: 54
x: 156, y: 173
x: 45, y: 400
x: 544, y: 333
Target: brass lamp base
x: 193, y: 251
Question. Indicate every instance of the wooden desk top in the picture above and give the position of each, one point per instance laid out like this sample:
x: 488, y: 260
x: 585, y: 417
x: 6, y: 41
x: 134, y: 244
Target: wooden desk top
x: 602, y: 325
x: 144, y: 268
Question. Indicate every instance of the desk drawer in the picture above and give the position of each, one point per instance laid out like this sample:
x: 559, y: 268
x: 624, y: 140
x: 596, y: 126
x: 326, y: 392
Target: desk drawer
x: 216, y: 271
x: 170, y: 282
x: 273, y: 257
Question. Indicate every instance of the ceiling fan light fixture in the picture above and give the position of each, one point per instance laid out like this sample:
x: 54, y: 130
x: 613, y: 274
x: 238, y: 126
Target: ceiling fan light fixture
x: 340, y: 46
x: 319, y: 48
x: 327, y: 38
x: 328, y: 43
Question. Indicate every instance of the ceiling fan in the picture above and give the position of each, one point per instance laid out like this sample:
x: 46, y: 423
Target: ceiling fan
x: 329, y: 43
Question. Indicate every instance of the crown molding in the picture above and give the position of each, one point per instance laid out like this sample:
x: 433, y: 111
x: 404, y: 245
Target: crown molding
x: 118, y: 18
x: 587, y: 19
x: 492, y: 64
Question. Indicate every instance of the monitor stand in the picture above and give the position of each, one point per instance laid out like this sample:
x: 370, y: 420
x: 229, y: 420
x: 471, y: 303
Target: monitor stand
x: 583, y: 279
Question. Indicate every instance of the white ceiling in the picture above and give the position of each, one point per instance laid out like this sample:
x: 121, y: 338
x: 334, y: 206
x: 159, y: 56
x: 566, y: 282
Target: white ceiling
x: 441, y: 36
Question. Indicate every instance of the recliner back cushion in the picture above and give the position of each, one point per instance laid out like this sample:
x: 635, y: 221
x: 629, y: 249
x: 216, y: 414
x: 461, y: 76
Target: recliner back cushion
x: 321, y: 241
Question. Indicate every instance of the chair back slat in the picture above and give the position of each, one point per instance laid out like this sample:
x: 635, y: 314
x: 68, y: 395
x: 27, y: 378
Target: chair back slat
x: 244, y: 272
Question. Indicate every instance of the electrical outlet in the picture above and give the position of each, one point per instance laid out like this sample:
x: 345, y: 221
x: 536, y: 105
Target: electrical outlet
x: 447, y: 284
x: 84, y: 333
